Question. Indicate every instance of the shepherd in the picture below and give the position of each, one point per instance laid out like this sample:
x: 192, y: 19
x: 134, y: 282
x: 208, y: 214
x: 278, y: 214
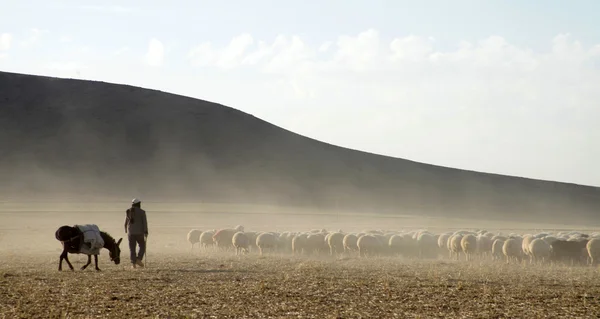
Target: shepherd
x: 136, y: 228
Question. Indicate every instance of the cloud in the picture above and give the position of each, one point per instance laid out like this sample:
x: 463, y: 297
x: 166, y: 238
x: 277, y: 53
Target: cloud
x: 155, y: 54
x: 226, y: 58
x: 475, y: 106
x: 65, y: 39
x: 34, y: 36
x: 113, y: 9
x: 5, y: 41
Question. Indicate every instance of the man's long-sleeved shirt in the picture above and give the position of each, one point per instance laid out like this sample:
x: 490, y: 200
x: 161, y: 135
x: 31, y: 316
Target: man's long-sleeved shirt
x: 135, y: 222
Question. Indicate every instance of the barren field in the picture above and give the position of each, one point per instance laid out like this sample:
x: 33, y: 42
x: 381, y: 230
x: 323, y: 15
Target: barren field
x: 178, y: 283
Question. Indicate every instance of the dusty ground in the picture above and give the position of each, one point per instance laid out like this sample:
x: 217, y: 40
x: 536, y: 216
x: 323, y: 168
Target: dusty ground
x: 222, y: 286
x: 179, y: 284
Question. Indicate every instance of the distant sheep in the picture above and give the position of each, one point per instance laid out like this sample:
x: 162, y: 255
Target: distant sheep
x: 368, y: 245
x: 336, y: 243
x: 484, y: 244
x: 443, y: 240
x: 241, y: 243
x: 454, y: 245
x: 469, y: 246
x: 193, y: 237
x: 266, y: 241
x: 315, y: 243
x: 497, y: 247
x: 539, y: 251
x: 527, y: 239
x: 206, y: 239
x: 223, y: 237
x: 593, y: 249
x: 299, y: 243
x: 512, y: 249
x: 349, y: 242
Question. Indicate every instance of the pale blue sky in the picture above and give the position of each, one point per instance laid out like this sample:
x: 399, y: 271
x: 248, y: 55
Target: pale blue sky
x: 511, y: 87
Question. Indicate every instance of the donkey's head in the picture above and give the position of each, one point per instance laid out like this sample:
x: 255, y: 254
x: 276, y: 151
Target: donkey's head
x: 115, y: 252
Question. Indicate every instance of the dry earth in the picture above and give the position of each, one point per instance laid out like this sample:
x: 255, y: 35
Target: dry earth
x: 181, y: 284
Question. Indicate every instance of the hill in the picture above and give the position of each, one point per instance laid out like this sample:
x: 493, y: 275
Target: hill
x: 90, y: 139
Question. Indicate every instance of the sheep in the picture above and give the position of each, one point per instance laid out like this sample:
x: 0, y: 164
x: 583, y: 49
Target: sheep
x: 223, y: 237
x: 497, y: 249
x: 349, y: 242
x: 398, y: 245
x: 315, y: 243
x: 527, y: 239
x: 484, y: 245
x: 266, y: 241
x: 206, y: 238
x: 454, y: 245
x: 593, y: 249
x: 299, y: 243
x: 336, y: 243
x: 539, y: 250
x: 241, y: 243
x: 368, y: 244
x: 251, y: 240
x: 469, y: 246
x: 239, y: 228
x: 443, y: 240
x: 512, y: 249
x: 193, y: 237
x: 572, y: 251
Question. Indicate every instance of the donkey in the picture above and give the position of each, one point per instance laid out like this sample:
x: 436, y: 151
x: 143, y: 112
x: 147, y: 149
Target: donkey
x: 72, y: 240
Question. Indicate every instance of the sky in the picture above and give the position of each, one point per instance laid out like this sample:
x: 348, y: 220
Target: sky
x: 508, y: 87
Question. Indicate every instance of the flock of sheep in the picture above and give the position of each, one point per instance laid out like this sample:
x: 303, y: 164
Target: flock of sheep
x: 570, y: 247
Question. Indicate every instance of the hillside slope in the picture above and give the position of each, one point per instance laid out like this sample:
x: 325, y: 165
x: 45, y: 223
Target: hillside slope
x: 84, y: 138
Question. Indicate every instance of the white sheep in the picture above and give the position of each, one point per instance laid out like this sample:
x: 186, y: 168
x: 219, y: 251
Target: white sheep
x: 266, y: 241
x: 349, y: 242
x: 497, y: 246
x: 206, y: 238
x: 469, y: 245
x: 299, y: 243
x: 539, y: 250
x: 335, y: 242
x: 593, y: 249
x: 454, y: 244
x: 193, y: 237
x: 368, y: 244
x: 527, y: 239
x: 241, y: 242
x: 443, y: 240
x: 484, y: 245
x: 315, y: 243
x: 512, y: 249
x: 223, y: 237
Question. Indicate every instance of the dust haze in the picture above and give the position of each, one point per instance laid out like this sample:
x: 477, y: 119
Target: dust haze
x: 77, y: 152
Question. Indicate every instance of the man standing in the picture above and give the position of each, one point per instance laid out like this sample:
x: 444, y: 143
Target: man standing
x: 136, y: 226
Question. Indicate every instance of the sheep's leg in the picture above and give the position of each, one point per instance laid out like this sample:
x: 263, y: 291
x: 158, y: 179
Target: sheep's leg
x: 89, y: 261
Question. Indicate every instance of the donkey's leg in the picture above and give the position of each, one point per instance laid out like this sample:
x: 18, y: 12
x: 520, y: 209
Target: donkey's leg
x: 66, y: 258
x: 96, y: 262
x: 88, y: 262
x: 63, y: 255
